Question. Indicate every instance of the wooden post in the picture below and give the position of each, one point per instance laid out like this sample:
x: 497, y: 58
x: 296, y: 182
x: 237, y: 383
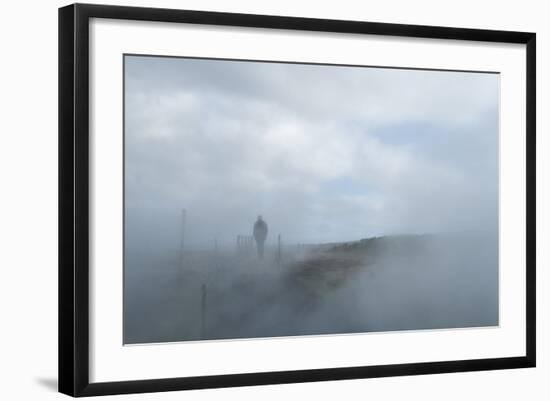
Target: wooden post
x: 279, y: 261
x: 182, y: 243
x: 203, y: 311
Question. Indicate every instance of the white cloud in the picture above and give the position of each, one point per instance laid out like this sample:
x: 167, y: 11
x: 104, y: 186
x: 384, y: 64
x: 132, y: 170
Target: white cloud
x: 414, y: 151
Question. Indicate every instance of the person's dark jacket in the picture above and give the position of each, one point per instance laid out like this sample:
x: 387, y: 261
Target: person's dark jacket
x: 260, y: 231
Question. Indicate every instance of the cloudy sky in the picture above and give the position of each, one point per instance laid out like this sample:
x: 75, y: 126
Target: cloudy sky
x: 324, y: 153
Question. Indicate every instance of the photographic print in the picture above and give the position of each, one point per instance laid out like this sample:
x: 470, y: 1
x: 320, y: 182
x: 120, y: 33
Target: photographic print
x: 267, y: 199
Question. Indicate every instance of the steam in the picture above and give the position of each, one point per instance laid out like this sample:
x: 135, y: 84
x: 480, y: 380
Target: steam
x: 388, y: 283
x: 406, y: 160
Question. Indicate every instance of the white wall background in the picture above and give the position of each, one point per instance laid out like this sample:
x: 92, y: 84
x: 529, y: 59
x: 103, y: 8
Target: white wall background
x: 28, y: 204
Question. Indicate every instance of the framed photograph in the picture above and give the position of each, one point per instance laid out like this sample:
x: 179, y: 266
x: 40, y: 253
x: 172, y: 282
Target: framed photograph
x: 252, y: 199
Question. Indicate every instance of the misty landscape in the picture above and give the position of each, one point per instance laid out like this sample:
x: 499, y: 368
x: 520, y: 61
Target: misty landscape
x: 272, y: 199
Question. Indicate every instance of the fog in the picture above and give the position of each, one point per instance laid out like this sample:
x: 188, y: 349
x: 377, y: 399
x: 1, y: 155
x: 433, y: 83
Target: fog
x: 329, y: 156
x: 379, y: 284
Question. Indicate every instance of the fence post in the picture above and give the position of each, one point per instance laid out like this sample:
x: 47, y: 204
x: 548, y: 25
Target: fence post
x: 203, y: 311
x: 182, y: 242
x: 279, y: 260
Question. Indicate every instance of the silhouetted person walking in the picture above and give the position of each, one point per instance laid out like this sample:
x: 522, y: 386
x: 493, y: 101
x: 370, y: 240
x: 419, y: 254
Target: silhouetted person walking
x: 260, y: 234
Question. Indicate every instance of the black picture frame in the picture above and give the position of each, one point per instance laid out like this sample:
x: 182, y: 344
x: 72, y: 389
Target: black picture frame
x: 74, y: 198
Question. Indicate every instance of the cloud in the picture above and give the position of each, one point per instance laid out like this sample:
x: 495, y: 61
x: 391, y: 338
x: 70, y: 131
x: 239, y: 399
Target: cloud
x: 324, y: 153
